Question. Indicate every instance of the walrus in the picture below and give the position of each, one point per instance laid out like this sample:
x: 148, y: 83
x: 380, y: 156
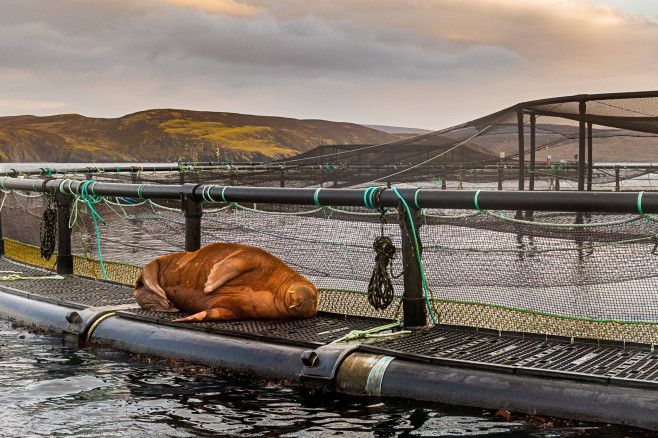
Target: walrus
x: 225, y: 281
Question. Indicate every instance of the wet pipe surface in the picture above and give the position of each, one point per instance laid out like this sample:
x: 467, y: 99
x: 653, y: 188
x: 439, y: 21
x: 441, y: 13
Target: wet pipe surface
x: 604, y: 362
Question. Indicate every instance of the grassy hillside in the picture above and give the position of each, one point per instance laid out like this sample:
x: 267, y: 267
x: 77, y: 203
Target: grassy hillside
x: 171, y: 135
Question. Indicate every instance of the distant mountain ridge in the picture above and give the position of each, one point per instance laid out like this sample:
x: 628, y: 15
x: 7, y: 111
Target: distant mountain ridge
x: 398, y: 129
x: 172, y: 135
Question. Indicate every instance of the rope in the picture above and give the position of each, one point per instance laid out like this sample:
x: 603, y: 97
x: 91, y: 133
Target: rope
x: 315, y: 198
x: 224, y: 197
x: 416, y: 199
x: 98, y: 321
x: 14, y: 277
x: 364, y: 334
x: 48, y: 228
x: 639, y: 203
x: 380, y: 287
x: 87, y: 195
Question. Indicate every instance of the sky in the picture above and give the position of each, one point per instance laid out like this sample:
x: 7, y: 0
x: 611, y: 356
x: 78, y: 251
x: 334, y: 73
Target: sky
x: 416, y: 63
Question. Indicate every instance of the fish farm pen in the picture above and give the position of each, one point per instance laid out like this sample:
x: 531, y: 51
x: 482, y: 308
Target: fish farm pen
x: 490, y: 296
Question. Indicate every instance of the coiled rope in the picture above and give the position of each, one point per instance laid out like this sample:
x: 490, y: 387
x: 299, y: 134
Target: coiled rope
x: 380, y: 286
x: 48, y: 228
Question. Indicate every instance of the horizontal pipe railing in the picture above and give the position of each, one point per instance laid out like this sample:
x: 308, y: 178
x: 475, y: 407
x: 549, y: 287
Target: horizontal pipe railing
x: 52, y: 171
x: 603, y: 202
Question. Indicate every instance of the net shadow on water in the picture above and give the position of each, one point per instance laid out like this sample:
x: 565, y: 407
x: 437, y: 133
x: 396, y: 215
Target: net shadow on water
x: 54, y: 390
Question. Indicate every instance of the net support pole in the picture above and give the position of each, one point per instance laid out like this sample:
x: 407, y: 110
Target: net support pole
x: 590, y: 161
x: 519, y: 117
x: 533, y: 122
x: 64, y: 256
x: 617, y: 186
x: 413, y: 299
x: 282, y: 178
x: 192, y: 212
x: 582, y: 108
x: 2, y: 239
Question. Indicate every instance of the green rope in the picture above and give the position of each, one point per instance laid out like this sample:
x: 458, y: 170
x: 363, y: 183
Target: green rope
x: 367, y: 197
x: 416, y: 199
x: 420, y: 263
x: 315, y: 198
x: 639, y: 202
x: 364, y: 334
x: 139, y: 191
x: 205, y: 193
x: 224, y: 197
x: 15, y: 277
x: 90, y: 198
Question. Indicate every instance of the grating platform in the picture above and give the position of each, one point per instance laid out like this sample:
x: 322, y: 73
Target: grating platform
x: 516, y: 353
x: 464, y: 347
x: 81, y: 292
x: 77, y: 292
x: 313, y: 332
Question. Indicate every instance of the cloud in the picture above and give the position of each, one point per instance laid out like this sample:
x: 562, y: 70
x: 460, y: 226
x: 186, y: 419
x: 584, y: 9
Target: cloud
x: 425, y: 63
x: 225, y: 7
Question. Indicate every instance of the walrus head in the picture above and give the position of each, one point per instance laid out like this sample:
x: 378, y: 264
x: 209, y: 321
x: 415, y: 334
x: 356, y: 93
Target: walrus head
x: 301, y: 299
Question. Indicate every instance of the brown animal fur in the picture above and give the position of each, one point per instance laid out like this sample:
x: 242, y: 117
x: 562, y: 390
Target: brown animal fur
x: 224, y: 281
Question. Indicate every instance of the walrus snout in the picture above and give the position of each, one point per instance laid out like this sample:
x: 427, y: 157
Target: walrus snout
x: 301, y: 299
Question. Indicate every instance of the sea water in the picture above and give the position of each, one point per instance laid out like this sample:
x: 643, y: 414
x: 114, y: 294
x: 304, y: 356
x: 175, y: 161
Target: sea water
x: 49, y: 389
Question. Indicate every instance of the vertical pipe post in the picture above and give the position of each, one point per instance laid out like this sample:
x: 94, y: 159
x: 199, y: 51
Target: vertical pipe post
x: 192, y: 212
x: 617, y: 186
x: 413, y: 300
x: 582, y: 108
x: 2, y: 240
x: 590, y: 161
x: 519, y: 118
x: 500, y: 177
x: 282, y: 177
x: 533, y: 121
x: 64, y: 256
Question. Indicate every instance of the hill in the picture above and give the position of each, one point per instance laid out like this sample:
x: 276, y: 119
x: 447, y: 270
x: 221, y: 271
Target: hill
x: 171, y: 135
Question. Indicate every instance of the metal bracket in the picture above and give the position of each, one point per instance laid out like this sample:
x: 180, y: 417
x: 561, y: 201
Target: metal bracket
x: 321, y: 365
x: 81, y: 321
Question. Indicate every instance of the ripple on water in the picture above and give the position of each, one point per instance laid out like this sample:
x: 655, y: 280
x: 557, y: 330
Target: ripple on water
x: 52, y: 390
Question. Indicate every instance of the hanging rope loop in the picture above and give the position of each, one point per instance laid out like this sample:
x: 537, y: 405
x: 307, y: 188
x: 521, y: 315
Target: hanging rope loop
x: 380, y: 287
x: 48, y: 228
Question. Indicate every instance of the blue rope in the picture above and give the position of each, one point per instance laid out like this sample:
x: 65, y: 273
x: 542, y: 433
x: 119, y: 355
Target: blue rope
x: 89, y: 197
x: 420, y: 264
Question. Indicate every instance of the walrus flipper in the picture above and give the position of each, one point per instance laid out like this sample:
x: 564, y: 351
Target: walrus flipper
x: 149, y: 277
x: 216, y: 314
x: 226, y: 270
x: 149, y: 293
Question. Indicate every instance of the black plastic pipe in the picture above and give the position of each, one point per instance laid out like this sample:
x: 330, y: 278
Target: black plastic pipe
x: 582, y: 112
x: 602, y: 202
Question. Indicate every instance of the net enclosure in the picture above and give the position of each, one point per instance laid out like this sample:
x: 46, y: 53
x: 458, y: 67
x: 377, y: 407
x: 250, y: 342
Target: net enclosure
x: 588, y: 274
x: 585, y: 275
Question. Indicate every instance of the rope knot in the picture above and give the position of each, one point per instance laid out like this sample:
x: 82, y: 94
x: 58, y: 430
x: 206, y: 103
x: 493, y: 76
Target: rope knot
x: 380, y: 287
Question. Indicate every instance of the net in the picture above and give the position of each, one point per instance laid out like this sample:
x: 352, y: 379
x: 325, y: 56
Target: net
x: 575, y: 275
